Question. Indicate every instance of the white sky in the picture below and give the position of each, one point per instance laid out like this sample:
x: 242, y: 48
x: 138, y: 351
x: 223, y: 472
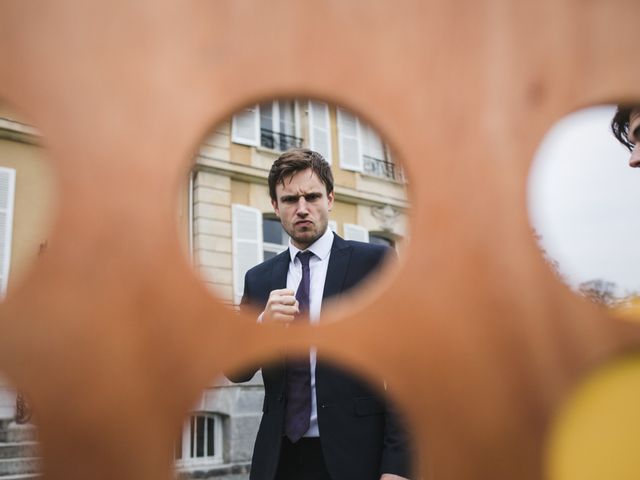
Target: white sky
x: 584, y: 199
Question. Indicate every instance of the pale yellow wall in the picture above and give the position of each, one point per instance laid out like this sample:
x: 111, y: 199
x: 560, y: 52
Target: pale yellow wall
x: 341, y: 177
x: 344, y: 213
x: 216, y: 144
x: 213, y: 195
x: 240, y: 154
x: 260, y: 199
x: 399, y: 225
x: 263, y: 158
x: 383, y: 188
x: 240, y: 192
x: 33, y: 204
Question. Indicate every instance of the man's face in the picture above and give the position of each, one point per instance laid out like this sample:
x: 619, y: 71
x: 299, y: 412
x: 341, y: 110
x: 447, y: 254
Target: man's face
x: 634, y: 137
x: 303, y: 207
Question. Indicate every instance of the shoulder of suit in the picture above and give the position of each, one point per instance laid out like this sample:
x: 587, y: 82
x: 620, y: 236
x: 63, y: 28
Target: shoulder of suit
x: 368, y: 251
x: 368, y: 247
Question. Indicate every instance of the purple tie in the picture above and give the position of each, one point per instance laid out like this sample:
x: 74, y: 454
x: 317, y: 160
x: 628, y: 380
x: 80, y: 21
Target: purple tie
x: 298, y: 409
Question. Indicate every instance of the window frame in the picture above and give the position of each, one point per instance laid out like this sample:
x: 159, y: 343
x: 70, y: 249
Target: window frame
x: 7, y: 211
x: 237, y: 240
x: 326, y: 128
x: 271, y: 247
x: 186, y: 461
x: 358, y: 165
x: 353, y: 231
x: 363, y: 132
x: 276, y: 120
x: 254, y: 111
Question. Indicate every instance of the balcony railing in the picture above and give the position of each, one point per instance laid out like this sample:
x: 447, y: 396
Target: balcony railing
x: 278, y: 141
x: 377, y: 167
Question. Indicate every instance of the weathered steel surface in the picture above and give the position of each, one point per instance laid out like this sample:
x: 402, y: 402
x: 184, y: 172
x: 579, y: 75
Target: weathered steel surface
x: 112, y: 335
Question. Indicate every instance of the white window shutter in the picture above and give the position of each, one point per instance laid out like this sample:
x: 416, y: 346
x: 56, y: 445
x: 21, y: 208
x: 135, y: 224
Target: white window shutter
x: 7, y: 191
x: 247, y: 244
x: 355, y: 232
x: 333, y: 225
x: 245, y: 126
x: 349, y: 141
x: 319, y: 129
x: 372, y: 144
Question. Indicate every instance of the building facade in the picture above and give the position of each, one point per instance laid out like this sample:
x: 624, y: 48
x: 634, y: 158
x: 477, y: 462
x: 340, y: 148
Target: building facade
x: 228, y: 226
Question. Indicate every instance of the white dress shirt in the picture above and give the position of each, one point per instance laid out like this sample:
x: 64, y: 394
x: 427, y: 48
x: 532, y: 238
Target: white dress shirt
x: 318, y: 265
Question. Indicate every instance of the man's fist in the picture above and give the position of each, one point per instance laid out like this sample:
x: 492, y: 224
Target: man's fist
x: 281, y: 307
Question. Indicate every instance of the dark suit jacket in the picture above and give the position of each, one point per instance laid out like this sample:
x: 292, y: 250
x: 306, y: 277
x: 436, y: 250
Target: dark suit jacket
x: 360, y: 437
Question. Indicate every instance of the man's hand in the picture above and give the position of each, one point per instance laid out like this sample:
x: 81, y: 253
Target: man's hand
x: 391, y: 476
x: 281, y: 307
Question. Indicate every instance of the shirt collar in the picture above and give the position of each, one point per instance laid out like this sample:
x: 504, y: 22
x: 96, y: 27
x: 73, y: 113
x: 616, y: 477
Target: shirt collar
x: 320, y: 248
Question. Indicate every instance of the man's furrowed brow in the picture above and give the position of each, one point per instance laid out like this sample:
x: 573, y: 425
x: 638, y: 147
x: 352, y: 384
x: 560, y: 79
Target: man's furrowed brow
x: 288, y: 198
x: 295, y: 197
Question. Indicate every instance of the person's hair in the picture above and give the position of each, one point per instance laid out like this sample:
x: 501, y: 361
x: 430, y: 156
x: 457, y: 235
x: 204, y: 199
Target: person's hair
x: 620, y: 124
x: 298, y: 160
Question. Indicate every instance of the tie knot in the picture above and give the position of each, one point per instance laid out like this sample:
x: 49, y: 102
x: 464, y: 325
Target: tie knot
x: 304, y: 257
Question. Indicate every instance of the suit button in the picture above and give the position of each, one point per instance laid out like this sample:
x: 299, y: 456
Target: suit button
x: 324, y: 405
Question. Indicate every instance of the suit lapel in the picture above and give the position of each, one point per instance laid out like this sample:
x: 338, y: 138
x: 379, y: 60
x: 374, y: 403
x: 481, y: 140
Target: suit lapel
x: 279, y: 272
x: 337, y: 268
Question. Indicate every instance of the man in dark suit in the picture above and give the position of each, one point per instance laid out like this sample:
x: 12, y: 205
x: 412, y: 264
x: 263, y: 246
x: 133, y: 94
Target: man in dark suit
x: 318, y: 422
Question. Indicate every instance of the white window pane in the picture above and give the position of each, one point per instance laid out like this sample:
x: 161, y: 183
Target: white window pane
x: 287, y: 118
x: 247, y: 243
x: 319, y: 129
x: 372, y: 144
x: 266, y: 116
x: 355, y: 232
x: 7, y: 188
x: 349, y: 141
x: 245, y: 127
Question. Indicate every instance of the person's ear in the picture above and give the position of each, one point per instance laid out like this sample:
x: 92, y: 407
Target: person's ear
x: 634, y: 161
x: 330, y: 198
x: 274, y: 204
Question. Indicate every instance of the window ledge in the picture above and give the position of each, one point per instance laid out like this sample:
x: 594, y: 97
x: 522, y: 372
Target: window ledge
x: 269, y: 151
x: 212, y: 470
x: 21, y: 132
x: 384, y: 179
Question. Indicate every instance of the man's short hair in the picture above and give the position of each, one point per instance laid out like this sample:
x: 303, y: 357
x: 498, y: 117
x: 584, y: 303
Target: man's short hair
x: 298, y: 160
x: 620, y: 124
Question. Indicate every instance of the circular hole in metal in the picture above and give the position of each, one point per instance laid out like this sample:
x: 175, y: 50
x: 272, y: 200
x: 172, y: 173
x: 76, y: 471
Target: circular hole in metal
x: 232, y: 221
x: 234, y: 428
x: 583, y: 196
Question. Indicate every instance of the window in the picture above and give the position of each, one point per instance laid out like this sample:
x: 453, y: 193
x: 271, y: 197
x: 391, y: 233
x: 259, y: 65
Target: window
x: 362, y: 150
x: 257, y: 237
x: 254, y: 238
x: 246, y: 241
x: 275, y: 238
x: 355, y: 232
x: 320, y: 129
x: 349, y: 141
x: 7, y: 188
x: 201, y: 440
x: 270, y: 125
x: 377, y: 239
x: 375, y: 161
